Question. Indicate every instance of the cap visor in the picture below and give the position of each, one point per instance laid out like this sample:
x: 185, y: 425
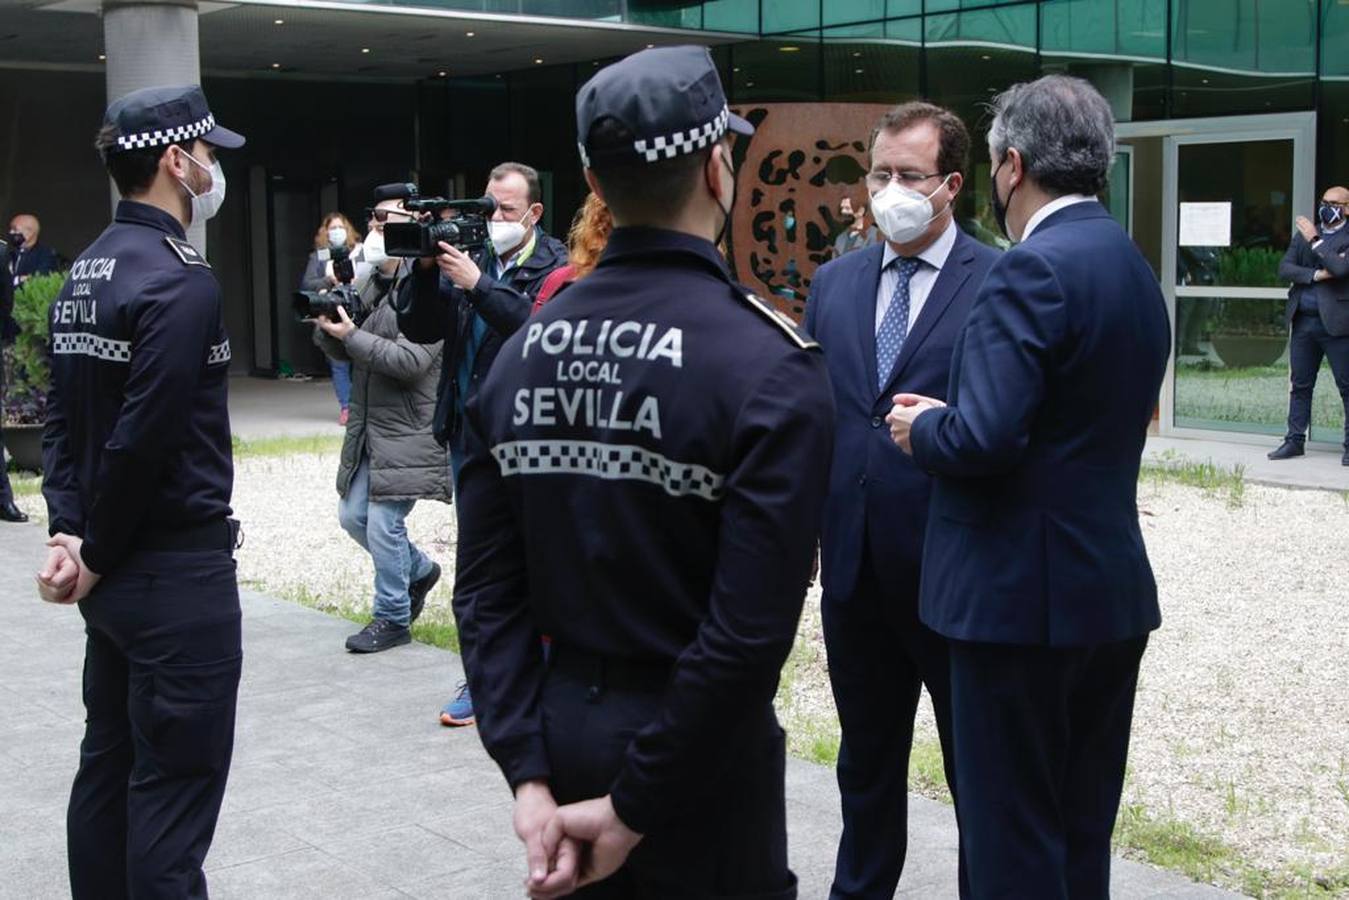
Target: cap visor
x: 223, y: 137
x: 739, y: 125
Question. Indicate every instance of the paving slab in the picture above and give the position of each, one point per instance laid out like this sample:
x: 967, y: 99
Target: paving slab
x: 344, y: 784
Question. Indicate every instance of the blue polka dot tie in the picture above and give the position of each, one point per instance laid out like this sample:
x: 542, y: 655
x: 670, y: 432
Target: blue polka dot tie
x: 895, y: 325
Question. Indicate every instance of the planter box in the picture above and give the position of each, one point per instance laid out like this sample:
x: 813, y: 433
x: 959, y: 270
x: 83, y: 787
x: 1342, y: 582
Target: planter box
x: 23, y: 444
x: 1248, y: 351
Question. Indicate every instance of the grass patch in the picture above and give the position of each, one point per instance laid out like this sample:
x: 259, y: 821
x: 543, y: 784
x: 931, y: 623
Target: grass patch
x: 286, y: 446
x: 926, y: 774
x: 25, y: 484
x: 1212, y: 479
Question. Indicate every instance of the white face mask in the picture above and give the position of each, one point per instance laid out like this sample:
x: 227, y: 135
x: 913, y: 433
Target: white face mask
x: 337, y: 236
x: 506, y: 236
x: 903, y: 214
x: 207, y: 203
x: 374, y: 248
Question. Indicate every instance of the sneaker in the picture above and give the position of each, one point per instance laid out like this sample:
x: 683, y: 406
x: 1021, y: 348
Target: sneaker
x: 458, y: 711
x: 343, y: 416
x: 380, y: 634
x: 418, y: 590
x: 1287, y: 450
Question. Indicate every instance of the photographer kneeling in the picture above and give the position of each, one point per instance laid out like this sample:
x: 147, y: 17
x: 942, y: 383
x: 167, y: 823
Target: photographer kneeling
x: 389, y: 458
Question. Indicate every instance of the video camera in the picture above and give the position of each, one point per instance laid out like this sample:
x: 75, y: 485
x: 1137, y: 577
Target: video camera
x: 312, y: 304
x: 467, y: 231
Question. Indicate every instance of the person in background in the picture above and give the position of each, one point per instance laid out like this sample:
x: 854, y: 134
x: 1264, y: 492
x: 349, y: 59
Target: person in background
x: 585, y: 242
x: 1317, y: 264
x: 8, y: 511
x: 334, y: 231
x: 28, y: 257
x: 389, y: 458
x: 858, y: 233
x: 473, y: 303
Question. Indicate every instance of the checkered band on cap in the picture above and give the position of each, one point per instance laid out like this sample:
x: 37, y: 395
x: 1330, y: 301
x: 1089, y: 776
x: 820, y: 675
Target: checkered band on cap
x: 166, y: 135
x: 684, y: 142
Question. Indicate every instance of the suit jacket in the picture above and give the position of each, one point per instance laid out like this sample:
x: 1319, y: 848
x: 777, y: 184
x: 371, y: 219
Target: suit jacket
x: 1332, y: 297
x: 1034, y: 535
x: 37, y: 260
x: 876, y: 492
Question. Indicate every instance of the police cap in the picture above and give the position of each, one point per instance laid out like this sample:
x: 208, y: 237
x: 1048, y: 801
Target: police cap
x: 670, y: 98
x: 159, y: 116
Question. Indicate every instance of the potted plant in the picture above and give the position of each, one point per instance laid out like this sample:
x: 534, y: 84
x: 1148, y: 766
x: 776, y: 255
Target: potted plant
x: 1249, y: 333
x: 28, y: 370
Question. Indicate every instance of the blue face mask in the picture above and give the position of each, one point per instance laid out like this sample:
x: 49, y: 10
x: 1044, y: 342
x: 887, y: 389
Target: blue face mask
x: 1330, y: 216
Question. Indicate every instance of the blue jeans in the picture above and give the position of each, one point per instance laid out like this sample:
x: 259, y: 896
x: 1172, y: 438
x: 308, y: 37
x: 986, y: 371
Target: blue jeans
x: 380, y: 527
x: 341, y: 381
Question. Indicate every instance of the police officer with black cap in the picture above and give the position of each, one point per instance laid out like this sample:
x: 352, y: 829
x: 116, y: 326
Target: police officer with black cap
x: 648, y: 492
x: 138, y: 475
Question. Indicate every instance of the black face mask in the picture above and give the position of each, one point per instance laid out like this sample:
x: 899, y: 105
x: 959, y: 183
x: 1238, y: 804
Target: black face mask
x: 1000, y: 207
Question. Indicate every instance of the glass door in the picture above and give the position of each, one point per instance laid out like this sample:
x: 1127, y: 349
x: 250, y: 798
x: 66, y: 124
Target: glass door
x: 1231, y: 192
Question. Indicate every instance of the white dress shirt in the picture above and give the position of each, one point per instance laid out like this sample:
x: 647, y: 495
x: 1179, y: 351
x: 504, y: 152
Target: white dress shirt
x: 1052, y: 207
x: 920, y: 285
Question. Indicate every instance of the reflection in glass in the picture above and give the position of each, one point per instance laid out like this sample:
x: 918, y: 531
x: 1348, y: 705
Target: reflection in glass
x: 1256, y: 179
x: 876, y: 63
x: 1232, y: 365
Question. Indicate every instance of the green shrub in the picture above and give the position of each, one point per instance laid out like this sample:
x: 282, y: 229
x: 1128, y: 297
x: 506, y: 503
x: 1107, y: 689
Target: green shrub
x: 27, y: 362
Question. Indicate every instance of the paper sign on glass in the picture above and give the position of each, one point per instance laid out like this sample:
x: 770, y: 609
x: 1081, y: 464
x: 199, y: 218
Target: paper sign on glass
x: 1206, y: 224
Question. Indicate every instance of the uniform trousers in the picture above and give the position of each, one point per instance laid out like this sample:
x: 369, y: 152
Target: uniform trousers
x: 732, y: 842
x: 161, y: 676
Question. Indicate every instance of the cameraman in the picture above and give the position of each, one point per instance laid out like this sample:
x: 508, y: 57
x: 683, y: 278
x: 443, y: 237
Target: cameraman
x: 389, y: 458
x: 473, y: 304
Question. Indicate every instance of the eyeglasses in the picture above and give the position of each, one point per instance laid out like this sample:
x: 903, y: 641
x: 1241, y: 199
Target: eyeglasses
x: 879, y: 179
x: 381, y: 215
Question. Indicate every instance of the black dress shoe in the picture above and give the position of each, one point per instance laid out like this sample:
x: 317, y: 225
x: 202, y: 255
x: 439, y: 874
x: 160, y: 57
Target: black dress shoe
x: 1287, y: 450
x: 418, y: 590
x: 11, y: 513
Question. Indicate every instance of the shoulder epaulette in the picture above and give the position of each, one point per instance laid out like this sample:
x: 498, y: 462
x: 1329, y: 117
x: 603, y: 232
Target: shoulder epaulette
x: 186, y: 252
x: 780, y: 320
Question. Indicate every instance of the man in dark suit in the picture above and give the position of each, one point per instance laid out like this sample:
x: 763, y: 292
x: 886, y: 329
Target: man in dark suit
x: 887, y: 317
x: 30, y: 258
x: 1034, y: 564
x: 1317, y: 263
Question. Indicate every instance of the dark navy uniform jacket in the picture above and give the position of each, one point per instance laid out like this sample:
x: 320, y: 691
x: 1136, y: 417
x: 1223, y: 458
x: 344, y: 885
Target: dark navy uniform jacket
x: 652, y: 452
x: 1033, y: 536
x: 137, y: 437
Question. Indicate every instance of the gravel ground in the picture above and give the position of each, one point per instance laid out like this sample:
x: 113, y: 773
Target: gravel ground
x: 1242, y: 721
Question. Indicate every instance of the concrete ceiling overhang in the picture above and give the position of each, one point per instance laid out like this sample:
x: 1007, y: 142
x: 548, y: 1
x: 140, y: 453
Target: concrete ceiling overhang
x: 338, y: 40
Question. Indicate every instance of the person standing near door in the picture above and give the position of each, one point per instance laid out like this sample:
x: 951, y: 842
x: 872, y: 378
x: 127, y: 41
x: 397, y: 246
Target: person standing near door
x: 887, y: 317
x: 1317, y: 264
x: 8, y: 511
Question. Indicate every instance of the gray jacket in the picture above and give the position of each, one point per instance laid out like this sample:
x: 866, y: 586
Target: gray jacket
x: 393, y: 398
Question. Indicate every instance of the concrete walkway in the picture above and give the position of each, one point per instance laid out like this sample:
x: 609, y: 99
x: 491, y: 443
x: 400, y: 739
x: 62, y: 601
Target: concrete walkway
x: 344, y: 784
x: 1320, y: 469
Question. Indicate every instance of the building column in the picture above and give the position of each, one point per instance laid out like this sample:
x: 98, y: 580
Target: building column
x: 151, y: 43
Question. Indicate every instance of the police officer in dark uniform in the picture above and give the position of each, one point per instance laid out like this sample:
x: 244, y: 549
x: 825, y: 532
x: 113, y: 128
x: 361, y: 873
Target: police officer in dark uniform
x: 652, y: 470
x: 138, y: 475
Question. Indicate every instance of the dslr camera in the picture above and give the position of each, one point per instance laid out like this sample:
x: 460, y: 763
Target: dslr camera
x: 312, y: 304
x: 466, y: 230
